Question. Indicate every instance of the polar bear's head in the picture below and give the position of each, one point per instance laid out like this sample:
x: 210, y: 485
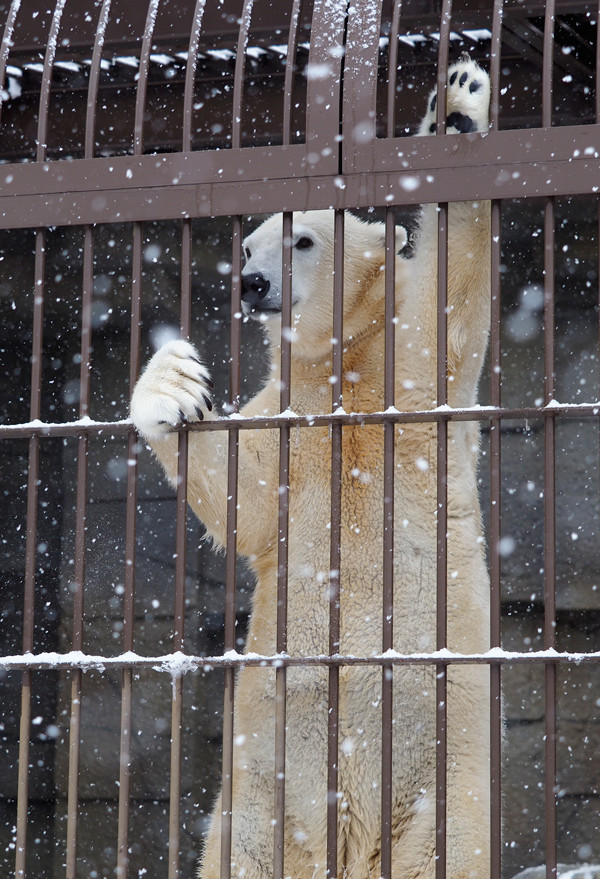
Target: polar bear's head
x: 313, y: 274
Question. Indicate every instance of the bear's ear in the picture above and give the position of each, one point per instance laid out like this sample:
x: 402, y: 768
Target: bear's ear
x: 401, y: 238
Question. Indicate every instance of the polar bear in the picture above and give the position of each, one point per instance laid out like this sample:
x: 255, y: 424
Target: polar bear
x: 175, y: 389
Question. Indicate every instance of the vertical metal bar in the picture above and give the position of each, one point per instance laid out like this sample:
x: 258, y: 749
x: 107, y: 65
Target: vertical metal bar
x: 284, y: 487
x: 84, y: 383
x: 30, y: 555
x: 142, y: 86
x: 550, y: 541
x: 33, y: 466
x: 238, y: 77
x: 71, y: 854
x: 129, y: 596
x: 288, y: 82
x: 182, y: 475
x: 180, y: 569
x: 549, y: 470
x: 131, y: 505
x: 327, y: 37
x: 387, y: 671
x: 495, y: 477
x: 442, y: 468
x: 231, y: 559
x: 190, y: 73
x: 79, y: 578
x: 232, y: 466
x: 335, y: 548
x: 388, y: 551
x: 282, y: 552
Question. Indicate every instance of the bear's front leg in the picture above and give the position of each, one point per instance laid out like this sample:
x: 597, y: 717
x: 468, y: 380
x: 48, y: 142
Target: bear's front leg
x: 175, y: 389
x: 468, y: 294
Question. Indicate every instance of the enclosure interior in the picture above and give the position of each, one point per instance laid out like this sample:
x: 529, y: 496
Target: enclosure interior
x: 138, y: 145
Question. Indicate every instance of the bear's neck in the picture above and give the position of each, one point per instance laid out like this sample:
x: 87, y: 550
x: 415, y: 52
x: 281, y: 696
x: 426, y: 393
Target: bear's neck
x: 362, y: 376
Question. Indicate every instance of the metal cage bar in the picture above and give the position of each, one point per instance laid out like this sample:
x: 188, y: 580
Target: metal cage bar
x: 549, y: 468
x: 441, y: 708
x: 284, y: 479
x: 335, y: 547
x: 495, y: 472
x: 387, y: 680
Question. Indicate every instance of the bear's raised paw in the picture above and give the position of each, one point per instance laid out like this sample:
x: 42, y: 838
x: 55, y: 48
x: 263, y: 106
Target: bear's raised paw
x: 173, y: 389
x: 467, y: 99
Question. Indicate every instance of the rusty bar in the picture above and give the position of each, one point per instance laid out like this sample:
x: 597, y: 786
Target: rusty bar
x: 540, y: 161
x: 387, y: 672
x: 326, y: 48
x: 335, y: 546
x: 288, y: 82
x: 442, y: 468
x: 550, y: 542
x: 30, y: 552
x: 549, y: 469
x: 238, y: 79
x: 282, y: 552
x: 75, y: 713
x: 232, y: 466
x: 129, y: 583
x: 44, y: 103
x: 80, y: 549
x: 33, y: 466
x: 495, y: 474
x: 23, y: 768
x: 190, y: 73
x: 130, y: 526
x: 231, y: 561
x: 140, y: 97
x: 180, y: 570
x: 359, y: 95
x: 388, y: 550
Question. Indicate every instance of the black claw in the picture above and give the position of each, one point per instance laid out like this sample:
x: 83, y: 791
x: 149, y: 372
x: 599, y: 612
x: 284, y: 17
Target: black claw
x: 433, y: 103
x: 208, y: 383
x: 432, y: 128
x: 475, y: 86
x: 182, y: 417
x: 207, y: 402
x: 199, y: 413
x: 463, y: 79
x: 453, y: 77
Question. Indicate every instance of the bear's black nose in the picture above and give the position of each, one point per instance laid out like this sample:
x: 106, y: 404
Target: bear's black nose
x: 254, y: 288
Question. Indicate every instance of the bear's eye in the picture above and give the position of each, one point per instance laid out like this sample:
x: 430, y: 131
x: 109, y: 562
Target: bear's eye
x: 304, y: 243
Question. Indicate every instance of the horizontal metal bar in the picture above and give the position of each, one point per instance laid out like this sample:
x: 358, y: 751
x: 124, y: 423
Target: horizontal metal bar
x: 391, y: 416
x: 180, y: 663
x: 510, y: 164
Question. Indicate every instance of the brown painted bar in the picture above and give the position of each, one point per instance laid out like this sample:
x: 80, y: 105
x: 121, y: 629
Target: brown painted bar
x: 335, y: 544
x: 550, y: 797
x: 512, y: 164
x: 387, y: 633
x: 495, y: 511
